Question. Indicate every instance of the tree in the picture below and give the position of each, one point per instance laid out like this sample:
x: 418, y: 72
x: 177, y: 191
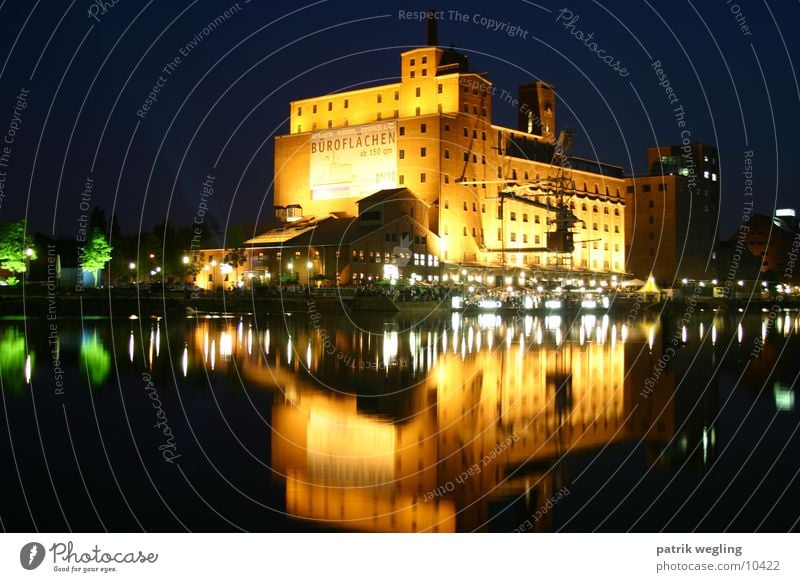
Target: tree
x: 237, y: 253
x: 96, y: 252
x: 16, y: 247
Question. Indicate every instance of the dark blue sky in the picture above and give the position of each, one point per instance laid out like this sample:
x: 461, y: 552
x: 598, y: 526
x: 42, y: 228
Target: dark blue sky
x: 218, y: 109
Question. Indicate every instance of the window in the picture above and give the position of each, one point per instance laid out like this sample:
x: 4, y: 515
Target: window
x: 447, y: 127
x: 446, y: 203
x: 629, y: 189
x: 474, y: 207
x: 423, y: 128
x: 330, y: 105
x: 466, y: 132
x: 465, y: 204
x: 401, y: 179
x: 422, y: 178
x: 465, y: 231
x: 424, y: 60
x: 439, y: 88
x: 423, y: 152
x: 330, y: 123
x: 299, y: 129
x: 402, y: 154
x: 536, y: 219
x: 583, y: 207
x: 616, y: 229
x: 314, y: 109
x: 397, y: 95
x: 594, y: 226
x: 412, y: 74
x: 524, y: 238
x: 524, y: 217
x: 446, y: 179
x: 412, y: 62
x: 446, y: 154
x: 483, y: 135
x: 605, y: 209
x: 537, y: 239
x: 424, y: 72
x: 379, y: 116
x: 483, y: 160
x: 346, y: 103
x: 402, y: 130
x: 483, y: 208
x: 605, y: 228
x: 513, y: 237
x: 513, y: 216
x: 419, y: 91
x: 474, y: 232
x: 299, y: 112
x: 594, y: 208
x: 417, y: 112
x: 466, y: 157
x: 499, y: 212
x: 646, y: 188
x: 616, y: 212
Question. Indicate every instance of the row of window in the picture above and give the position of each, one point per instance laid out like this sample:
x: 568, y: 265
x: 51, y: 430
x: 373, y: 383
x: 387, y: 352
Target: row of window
x: 646, y: 188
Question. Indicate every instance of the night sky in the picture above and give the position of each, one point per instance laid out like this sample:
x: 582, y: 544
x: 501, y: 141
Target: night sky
x: 85, y: 71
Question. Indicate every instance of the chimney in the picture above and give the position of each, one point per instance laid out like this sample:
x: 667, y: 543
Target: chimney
x: 431, y: 17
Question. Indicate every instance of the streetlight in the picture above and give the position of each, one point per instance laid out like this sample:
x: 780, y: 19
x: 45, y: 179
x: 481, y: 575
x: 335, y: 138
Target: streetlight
x: 185, y: 267
x: 309, y: 266
x: 290, y: 266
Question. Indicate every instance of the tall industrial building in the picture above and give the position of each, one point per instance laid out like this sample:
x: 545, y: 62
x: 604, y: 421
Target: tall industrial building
x: 671, y: 214
x: 413, y: 179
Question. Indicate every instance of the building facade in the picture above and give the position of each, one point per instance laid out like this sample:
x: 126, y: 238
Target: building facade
x: 671, y: 214
x: 484, y: 195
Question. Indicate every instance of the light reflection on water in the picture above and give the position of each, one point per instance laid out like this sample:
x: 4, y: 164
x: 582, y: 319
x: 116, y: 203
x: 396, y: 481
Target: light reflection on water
x: 372, y: 426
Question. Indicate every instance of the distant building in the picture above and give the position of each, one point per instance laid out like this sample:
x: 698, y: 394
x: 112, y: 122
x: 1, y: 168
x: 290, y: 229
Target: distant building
x: 771, y: 240
x: 671, y: 214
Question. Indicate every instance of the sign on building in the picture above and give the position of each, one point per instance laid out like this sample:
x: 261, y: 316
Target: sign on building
x: 353, y: 161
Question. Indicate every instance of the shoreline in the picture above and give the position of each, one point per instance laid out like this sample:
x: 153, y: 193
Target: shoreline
x: 99, y: 303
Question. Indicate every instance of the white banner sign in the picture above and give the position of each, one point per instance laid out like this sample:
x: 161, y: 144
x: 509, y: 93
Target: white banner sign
x: 353, y: 161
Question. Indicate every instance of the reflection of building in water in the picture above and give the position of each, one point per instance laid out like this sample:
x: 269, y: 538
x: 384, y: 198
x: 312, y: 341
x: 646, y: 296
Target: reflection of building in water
x: 471, y: 431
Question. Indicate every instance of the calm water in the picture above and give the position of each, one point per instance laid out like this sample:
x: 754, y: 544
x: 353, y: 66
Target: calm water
x: 419, y: 423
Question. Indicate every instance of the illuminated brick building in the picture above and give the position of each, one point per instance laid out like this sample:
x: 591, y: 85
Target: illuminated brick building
x: 426, y: 147
x: 671, y: 214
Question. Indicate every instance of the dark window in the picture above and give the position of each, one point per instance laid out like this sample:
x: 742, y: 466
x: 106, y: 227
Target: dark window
x: 423, y: 128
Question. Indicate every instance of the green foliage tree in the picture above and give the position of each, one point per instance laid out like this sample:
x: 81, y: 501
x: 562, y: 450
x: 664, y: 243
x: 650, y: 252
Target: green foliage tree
x: 96, y: 252
x: 15, y: 243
